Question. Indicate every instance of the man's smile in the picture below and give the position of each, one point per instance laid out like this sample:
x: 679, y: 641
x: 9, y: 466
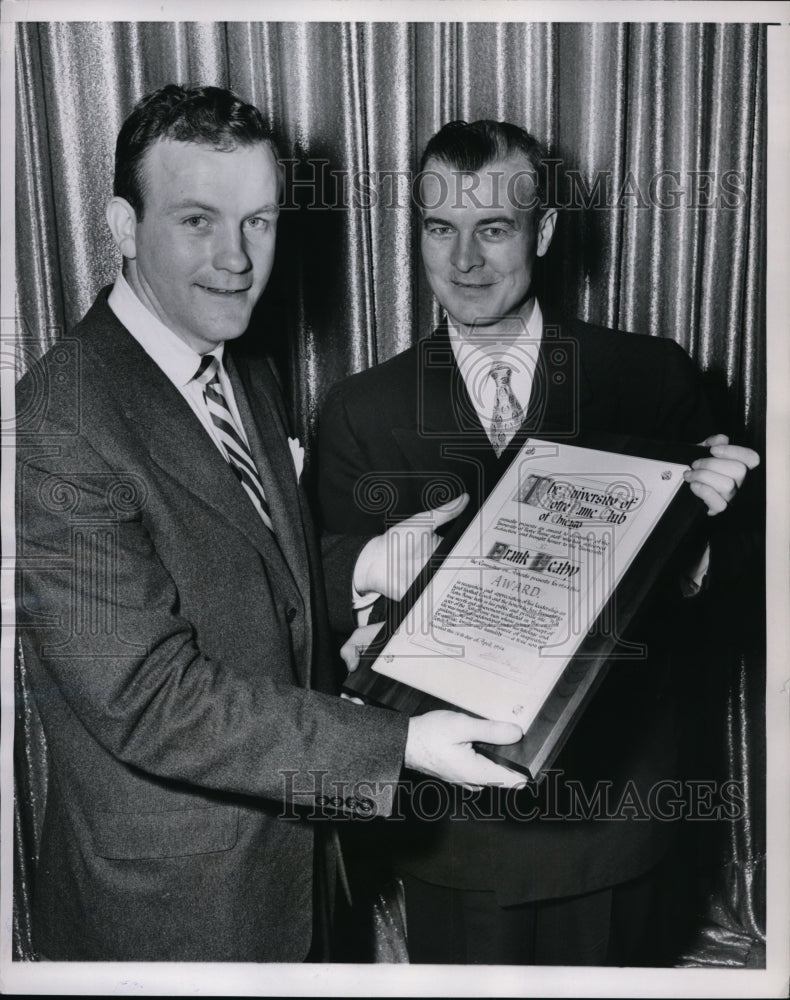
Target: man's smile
x: 224, y: 291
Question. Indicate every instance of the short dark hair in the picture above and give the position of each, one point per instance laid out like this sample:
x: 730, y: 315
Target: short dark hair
x: 208, y: 116
x: 470, y: 146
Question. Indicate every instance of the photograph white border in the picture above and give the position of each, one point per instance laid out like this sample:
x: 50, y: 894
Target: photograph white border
x: 180, y: 979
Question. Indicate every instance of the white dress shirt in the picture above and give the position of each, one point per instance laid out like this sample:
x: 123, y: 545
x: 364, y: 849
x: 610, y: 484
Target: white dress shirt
x: 476, y: 352
x: 173, y: 355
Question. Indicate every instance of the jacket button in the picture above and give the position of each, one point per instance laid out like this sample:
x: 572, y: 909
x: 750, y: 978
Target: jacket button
x: 290, y: 614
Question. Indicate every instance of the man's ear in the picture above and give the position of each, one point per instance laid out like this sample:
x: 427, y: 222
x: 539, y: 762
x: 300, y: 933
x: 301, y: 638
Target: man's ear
x: 546, y: 231
x: 122, y: 220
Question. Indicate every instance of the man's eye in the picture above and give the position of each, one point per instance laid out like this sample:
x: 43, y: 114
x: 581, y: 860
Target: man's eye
x: 494, y: 232
x: 196, y: 222
x: 257, y: 223
x: 439, y: 230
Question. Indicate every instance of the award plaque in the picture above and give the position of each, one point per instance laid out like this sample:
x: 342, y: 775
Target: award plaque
x: 516, y: 618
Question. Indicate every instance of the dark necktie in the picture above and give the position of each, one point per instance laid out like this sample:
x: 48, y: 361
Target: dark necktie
x: 233, y: 444
x: 508, y: 414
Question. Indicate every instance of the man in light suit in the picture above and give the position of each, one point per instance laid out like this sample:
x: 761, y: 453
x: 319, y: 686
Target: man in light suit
x: 170, y: 603
x: 448, y: 415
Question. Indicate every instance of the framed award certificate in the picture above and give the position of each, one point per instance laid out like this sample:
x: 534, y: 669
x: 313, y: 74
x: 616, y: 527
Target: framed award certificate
x: 516, y: 620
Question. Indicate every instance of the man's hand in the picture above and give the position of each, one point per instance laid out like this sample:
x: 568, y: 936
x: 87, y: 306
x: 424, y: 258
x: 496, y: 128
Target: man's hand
x: 717, y: 479
x: 389, y: 563
x: 440, y: 744
x: 357, y: 643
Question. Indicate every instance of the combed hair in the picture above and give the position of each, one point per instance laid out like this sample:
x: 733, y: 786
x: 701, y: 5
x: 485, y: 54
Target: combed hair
x: 468, y: 147
x: 209, y: 116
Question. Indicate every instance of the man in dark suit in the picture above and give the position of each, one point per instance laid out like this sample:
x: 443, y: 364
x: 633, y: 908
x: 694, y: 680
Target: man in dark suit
x: 170, y: 603
x: 445, y: 418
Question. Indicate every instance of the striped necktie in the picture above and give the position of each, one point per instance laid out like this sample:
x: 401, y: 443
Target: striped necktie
x: 234, y: 446
x: 508, y: 414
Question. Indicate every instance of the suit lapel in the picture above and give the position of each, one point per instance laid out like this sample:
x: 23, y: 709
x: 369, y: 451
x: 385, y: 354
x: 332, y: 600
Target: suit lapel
x: 447, y: 422
x: 562, y: 386
x: 171, y: 433
x: 559, y: 387
x: 445, y: 410
x: 446, y: 428
x: 268, y: 439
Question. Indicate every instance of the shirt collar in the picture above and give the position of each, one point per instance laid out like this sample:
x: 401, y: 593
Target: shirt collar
x: 175, y: 357
x: 471, y: 355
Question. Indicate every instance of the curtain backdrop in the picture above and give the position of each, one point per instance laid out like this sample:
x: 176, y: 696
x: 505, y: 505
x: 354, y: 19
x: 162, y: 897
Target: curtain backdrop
x: 659, y: 133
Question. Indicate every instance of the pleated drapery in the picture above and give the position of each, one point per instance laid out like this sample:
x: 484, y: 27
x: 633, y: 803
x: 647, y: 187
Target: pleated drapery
x: 659, y: 135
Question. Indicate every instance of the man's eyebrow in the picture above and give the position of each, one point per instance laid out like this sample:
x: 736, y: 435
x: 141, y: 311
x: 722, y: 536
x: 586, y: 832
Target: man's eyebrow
x: 191, y: 203
x: 272, y: 209
x: 188, y: 204
x: 501, y: 220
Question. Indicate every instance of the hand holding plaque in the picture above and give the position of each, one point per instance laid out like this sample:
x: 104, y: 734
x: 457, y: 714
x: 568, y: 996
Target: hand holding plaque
x: 512, y: 624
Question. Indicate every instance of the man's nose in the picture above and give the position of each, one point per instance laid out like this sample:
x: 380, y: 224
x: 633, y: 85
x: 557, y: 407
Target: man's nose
x: 230, y: 253
x: 466, y: 253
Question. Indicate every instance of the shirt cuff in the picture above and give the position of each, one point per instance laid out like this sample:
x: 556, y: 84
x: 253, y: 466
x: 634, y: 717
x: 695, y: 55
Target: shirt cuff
x: 362, y: 604
x: 692, y: 583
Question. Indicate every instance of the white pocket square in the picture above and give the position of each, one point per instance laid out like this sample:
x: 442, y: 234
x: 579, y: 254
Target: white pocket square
x: 297, y: 454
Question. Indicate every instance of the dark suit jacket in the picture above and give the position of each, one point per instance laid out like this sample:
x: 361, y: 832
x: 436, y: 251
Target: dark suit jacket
x: 177, y: 653
x: 404, y: 436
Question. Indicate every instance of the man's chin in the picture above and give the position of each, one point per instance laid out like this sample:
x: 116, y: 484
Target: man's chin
x: 483, y: 315
x: 229, y: 333
x: 226, y: 324
x: 473, y: 320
